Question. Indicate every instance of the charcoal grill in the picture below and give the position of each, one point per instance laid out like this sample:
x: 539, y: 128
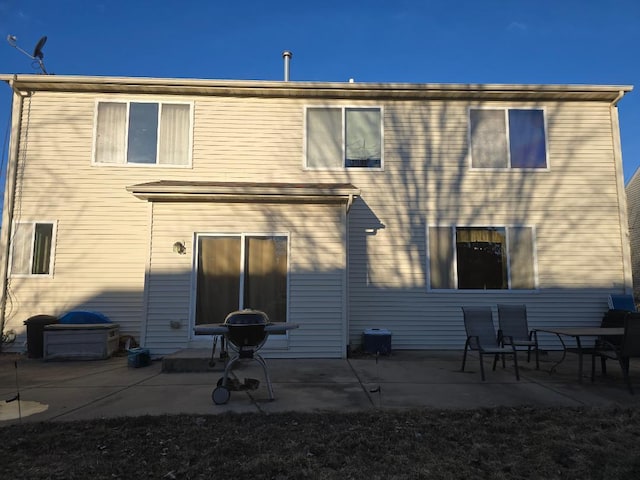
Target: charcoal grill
x: 245, y: 331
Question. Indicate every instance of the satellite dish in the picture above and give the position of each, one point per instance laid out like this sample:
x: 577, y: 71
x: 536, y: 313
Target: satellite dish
x: 37, y: 51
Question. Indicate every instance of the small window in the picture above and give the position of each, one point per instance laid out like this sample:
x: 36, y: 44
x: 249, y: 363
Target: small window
x: 513, y: 138
x: 481, y: 258
x: 143, y: 133
x: 32, y: 246
x: 344, y: 138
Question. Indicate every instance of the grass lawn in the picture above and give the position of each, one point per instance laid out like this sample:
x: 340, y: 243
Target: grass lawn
x: 501, y: 443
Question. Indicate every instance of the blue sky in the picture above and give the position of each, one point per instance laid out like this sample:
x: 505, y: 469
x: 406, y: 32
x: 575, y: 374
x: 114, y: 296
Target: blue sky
x: 450, y: 41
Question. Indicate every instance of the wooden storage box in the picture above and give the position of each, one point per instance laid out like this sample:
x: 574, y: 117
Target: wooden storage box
x: 90, y: 341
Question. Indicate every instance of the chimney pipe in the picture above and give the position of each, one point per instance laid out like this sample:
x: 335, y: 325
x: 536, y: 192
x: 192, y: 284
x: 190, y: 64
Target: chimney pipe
x: 287, y: 58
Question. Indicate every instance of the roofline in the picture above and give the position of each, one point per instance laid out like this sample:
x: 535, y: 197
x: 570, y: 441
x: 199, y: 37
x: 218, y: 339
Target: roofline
x: 263, y: 88
x: 634, y: 177
x: 199, y: 191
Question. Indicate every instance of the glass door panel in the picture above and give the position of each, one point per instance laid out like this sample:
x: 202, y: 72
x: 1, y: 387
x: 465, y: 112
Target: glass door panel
x: 218, y: 282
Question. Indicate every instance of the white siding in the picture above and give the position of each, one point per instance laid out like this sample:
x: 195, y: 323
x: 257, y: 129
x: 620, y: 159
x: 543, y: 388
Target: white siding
x: 107, y: 238
x: 316, y: 276
x: 101, y: 241
x: 573, y: 207
x: 633, y: 205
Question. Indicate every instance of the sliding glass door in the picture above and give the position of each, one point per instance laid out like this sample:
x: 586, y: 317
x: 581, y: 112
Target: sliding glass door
x: 241, y: 271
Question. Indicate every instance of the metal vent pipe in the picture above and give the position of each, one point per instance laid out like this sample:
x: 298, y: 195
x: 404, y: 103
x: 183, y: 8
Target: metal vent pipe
x: 287, y: 58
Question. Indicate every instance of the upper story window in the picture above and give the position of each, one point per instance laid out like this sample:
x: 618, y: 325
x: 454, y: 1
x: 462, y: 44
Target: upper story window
x: 507, y: 138
x: 481, y: 258
x: 32, y: 248
x: 143, y: 133
x: 343, y: 137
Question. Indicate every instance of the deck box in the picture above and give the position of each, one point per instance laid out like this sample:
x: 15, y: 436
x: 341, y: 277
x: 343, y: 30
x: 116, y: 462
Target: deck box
x: 376, y: 341
x: 90, y: 341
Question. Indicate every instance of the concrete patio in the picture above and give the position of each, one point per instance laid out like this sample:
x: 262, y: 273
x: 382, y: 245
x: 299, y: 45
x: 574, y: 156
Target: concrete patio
x: 80, y: 390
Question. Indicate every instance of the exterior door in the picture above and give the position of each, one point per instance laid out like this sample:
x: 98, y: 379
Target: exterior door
x: 241, y: 271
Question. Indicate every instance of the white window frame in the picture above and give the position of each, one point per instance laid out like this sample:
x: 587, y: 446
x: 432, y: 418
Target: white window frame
x: 508, y: 135
x: 128, y: 103
x: 279, y: 341
x: 52, y: 253
x: 500, y: 291
x: 343, y: 109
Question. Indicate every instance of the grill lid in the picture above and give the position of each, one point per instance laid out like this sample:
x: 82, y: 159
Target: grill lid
x: 247, y: 317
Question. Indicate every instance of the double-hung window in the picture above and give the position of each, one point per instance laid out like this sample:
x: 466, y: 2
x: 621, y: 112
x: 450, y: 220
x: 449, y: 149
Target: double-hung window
x: 507, y: 138
x: 32, y: 248
x: 143, y: 133
x: 340, y: 137
x: 481, y: 258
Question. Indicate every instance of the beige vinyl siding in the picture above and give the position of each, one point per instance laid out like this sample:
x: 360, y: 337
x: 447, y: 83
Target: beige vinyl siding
x: 101, y: 240
x: 107, y: 238
x: 573, y: 207
x: 317, y: 260
x: 633, y: 205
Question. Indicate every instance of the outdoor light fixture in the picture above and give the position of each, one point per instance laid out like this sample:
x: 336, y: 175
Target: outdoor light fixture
x: 179, y: 248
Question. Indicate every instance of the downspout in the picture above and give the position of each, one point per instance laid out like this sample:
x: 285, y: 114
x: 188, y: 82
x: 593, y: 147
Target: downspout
x: 346, y: 303
x: 9, y: 197
x: 622, y: 196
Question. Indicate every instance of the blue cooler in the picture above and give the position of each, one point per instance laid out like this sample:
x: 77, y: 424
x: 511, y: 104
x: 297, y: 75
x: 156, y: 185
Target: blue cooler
x: 138, y: 357
x: 377, y: 341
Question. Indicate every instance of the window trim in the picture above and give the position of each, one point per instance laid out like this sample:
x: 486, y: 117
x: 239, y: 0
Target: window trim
x: 547, y: 166
x: 501, y: 291
x: 128, y: 102
x: 279, y: 341
x: 343, y: 109
x: 52, y: 253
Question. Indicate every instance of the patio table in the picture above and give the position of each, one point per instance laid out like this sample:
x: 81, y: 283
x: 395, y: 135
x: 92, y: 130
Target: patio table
x: 577, y: 333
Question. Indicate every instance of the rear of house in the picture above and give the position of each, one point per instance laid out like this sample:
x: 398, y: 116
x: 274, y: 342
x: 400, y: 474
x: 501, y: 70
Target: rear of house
x: 167, y: 203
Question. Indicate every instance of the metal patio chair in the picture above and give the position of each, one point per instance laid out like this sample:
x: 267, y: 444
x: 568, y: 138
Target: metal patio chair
x: 482, y: 337
x: 513, y: 328
x: 623, y: 350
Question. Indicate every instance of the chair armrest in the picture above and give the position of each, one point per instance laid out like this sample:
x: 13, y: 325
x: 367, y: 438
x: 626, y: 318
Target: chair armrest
x: 508, y: 340
x: 604, y: 344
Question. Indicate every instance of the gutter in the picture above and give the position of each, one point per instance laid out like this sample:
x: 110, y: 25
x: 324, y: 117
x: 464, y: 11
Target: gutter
x: 9, y: 197
x: 319, y: 90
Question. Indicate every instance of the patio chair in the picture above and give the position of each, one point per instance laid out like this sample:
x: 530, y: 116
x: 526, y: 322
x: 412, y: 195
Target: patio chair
x: 611, y: 319
x: 628, y: 347
x: 482, y: 337
x: 513, y: 328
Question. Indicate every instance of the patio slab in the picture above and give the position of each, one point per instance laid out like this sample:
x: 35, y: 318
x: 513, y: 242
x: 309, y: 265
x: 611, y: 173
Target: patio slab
x: 406, y: 379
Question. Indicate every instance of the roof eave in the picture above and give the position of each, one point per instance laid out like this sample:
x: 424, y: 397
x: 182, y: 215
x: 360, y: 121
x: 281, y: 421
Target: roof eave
x: 234, y: 192
x: 259, y: 88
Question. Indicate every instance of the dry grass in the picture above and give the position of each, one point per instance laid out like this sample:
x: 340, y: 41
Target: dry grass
x: 500, y: 443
